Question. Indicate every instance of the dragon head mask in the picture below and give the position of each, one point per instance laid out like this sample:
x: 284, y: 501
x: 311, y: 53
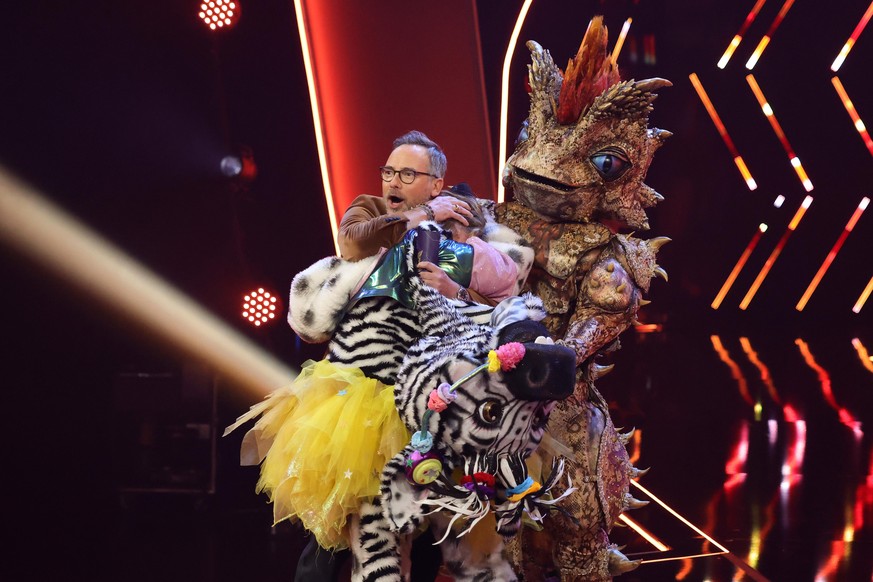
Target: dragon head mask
x: 586, y: 146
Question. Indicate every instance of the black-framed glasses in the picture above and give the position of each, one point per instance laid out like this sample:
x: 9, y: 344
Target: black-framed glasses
x: 407, y: 175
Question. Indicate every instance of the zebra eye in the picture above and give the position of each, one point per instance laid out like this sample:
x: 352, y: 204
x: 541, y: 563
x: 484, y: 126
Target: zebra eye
x: 491, y: 411
x: 611, y: 163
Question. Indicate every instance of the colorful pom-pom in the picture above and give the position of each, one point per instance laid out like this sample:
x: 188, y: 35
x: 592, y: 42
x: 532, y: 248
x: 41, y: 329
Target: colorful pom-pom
x: 446, y: 393
x: 510, y: 355
x: 422, y: 441
x: 435, y: 402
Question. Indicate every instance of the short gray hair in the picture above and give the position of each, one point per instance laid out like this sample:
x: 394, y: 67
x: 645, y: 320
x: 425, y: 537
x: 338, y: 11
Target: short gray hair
x: 438, y: 163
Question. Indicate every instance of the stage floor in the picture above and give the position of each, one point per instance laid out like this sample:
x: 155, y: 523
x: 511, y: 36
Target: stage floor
x: 758, y: 447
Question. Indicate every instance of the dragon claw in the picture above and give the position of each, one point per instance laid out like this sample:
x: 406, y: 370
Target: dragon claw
x: 619, y: 563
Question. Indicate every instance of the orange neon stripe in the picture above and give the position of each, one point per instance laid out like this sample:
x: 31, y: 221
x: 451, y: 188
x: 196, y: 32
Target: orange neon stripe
x: 864, y: 295
x: 738, y: 37
x: 832, y: 255
x: 736, y: 372
x: 738, y: 267
x: 850, y: 108
x: 504, y: 96
x: 775, y: 254
x: 765, y: 40
x: 774, y: 123
x: 838, y: 62
x: 647, y: 535
x: 863, y: 355
x: 825, y: 381
x: 722, y: 549
x: 621, y: 36
x: 766, y: 377
x: 722, y: 131
x: 302, y: 30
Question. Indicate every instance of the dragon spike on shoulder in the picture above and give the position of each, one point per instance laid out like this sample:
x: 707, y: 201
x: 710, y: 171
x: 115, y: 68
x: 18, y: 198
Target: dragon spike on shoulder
x: 589, y: 74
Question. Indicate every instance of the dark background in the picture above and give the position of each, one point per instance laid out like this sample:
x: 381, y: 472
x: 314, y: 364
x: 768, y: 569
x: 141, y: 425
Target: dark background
x: 121, y: 111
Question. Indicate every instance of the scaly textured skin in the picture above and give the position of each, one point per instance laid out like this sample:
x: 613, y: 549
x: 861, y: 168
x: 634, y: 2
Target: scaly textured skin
x: 568, y: 179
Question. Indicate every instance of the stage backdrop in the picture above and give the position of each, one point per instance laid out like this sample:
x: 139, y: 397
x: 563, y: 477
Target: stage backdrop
x: 384, y: 68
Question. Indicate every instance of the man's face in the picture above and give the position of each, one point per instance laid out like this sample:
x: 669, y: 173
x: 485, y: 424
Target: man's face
x: 400, y: 197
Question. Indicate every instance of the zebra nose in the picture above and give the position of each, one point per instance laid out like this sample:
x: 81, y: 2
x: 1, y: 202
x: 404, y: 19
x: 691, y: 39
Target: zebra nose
x: 547, y: 372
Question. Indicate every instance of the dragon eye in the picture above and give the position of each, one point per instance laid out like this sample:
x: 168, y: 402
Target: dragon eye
x: 611, y: 163
x: 522, y: 133
x: 491, y: 411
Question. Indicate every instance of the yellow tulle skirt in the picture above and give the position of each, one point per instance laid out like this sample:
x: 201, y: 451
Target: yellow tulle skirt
x: 324, y: 441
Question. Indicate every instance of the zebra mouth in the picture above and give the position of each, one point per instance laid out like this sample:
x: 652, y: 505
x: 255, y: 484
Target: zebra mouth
x: 532, y: 178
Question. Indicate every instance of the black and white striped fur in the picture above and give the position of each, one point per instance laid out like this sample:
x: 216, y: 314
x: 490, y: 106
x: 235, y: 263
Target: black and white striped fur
x: 451, y: 346
x: 440, y: 340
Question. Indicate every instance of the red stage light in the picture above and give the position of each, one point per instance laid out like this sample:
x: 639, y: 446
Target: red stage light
x: 259, y: 307
x: 219, y: 14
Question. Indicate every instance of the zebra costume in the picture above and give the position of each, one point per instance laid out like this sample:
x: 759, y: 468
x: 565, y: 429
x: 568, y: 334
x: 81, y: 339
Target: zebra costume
x: 494, y: 422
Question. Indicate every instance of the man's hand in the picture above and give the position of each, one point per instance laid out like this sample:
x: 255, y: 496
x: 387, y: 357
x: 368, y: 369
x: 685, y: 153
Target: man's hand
x: 435, y: 277
x: 446, y: 207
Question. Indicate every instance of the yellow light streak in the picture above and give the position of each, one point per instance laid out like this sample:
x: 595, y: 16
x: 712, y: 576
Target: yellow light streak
x: 43, y: 233
x: 853, y: 114
x: 504, y: 96
x: 766, y: 377
x: 765, y: 40
x: 762, y: 228
x: 722, y: 131
x: 747, y: 176
x: 863, y: 355
x: 774, y: 123
x: 647, y: 535
x: 775, y: 254
x: 862, y: 299
x: 729, y: 51
x: 302, y: 31
x: 673, y: 512
x: 738, y: 37
x: 736, y: 372
x: 832, y: 255
x: 621, y: 36
x: 753, y: 60
x: 844, y: 52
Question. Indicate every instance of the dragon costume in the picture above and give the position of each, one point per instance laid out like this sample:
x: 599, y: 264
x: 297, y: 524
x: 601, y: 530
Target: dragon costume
x: 577, y: 179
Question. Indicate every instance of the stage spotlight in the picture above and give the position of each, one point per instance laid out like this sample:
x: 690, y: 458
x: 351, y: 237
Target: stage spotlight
x: 259, y: 307
x: 241, y: 165
x: 219, y: 14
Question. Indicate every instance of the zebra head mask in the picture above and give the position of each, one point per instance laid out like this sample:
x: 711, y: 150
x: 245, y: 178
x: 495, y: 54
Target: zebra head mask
x: 476, y: 398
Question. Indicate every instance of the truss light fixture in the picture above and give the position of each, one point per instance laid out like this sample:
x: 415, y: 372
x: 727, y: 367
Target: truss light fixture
x: 219, y: 14
x: 259, y: 307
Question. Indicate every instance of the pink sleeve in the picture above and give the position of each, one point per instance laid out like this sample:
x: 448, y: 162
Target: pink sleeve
x: 494, y: 273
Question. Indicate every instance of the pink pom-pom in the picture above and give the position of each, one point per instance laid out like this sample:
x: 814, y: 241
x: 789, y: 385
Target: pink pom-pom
x: 435, y: 402
x: 510, y: 355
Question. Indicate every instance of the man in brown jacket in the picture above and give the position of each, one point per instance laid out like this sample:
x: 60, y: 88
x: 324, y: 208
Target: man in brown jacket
x: 412, y: 178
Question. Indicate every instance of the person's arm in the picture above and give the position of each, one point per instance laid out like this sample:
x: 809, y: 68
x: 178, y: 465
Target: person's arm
x: 494, y: 275
x: 435, y: 277
x: 365, y: 228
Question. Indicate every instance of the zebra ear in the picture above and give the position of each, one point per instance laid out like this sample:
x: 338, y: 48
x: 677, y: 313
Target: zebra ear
x: 400, y: 499
x: 515, y: 309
